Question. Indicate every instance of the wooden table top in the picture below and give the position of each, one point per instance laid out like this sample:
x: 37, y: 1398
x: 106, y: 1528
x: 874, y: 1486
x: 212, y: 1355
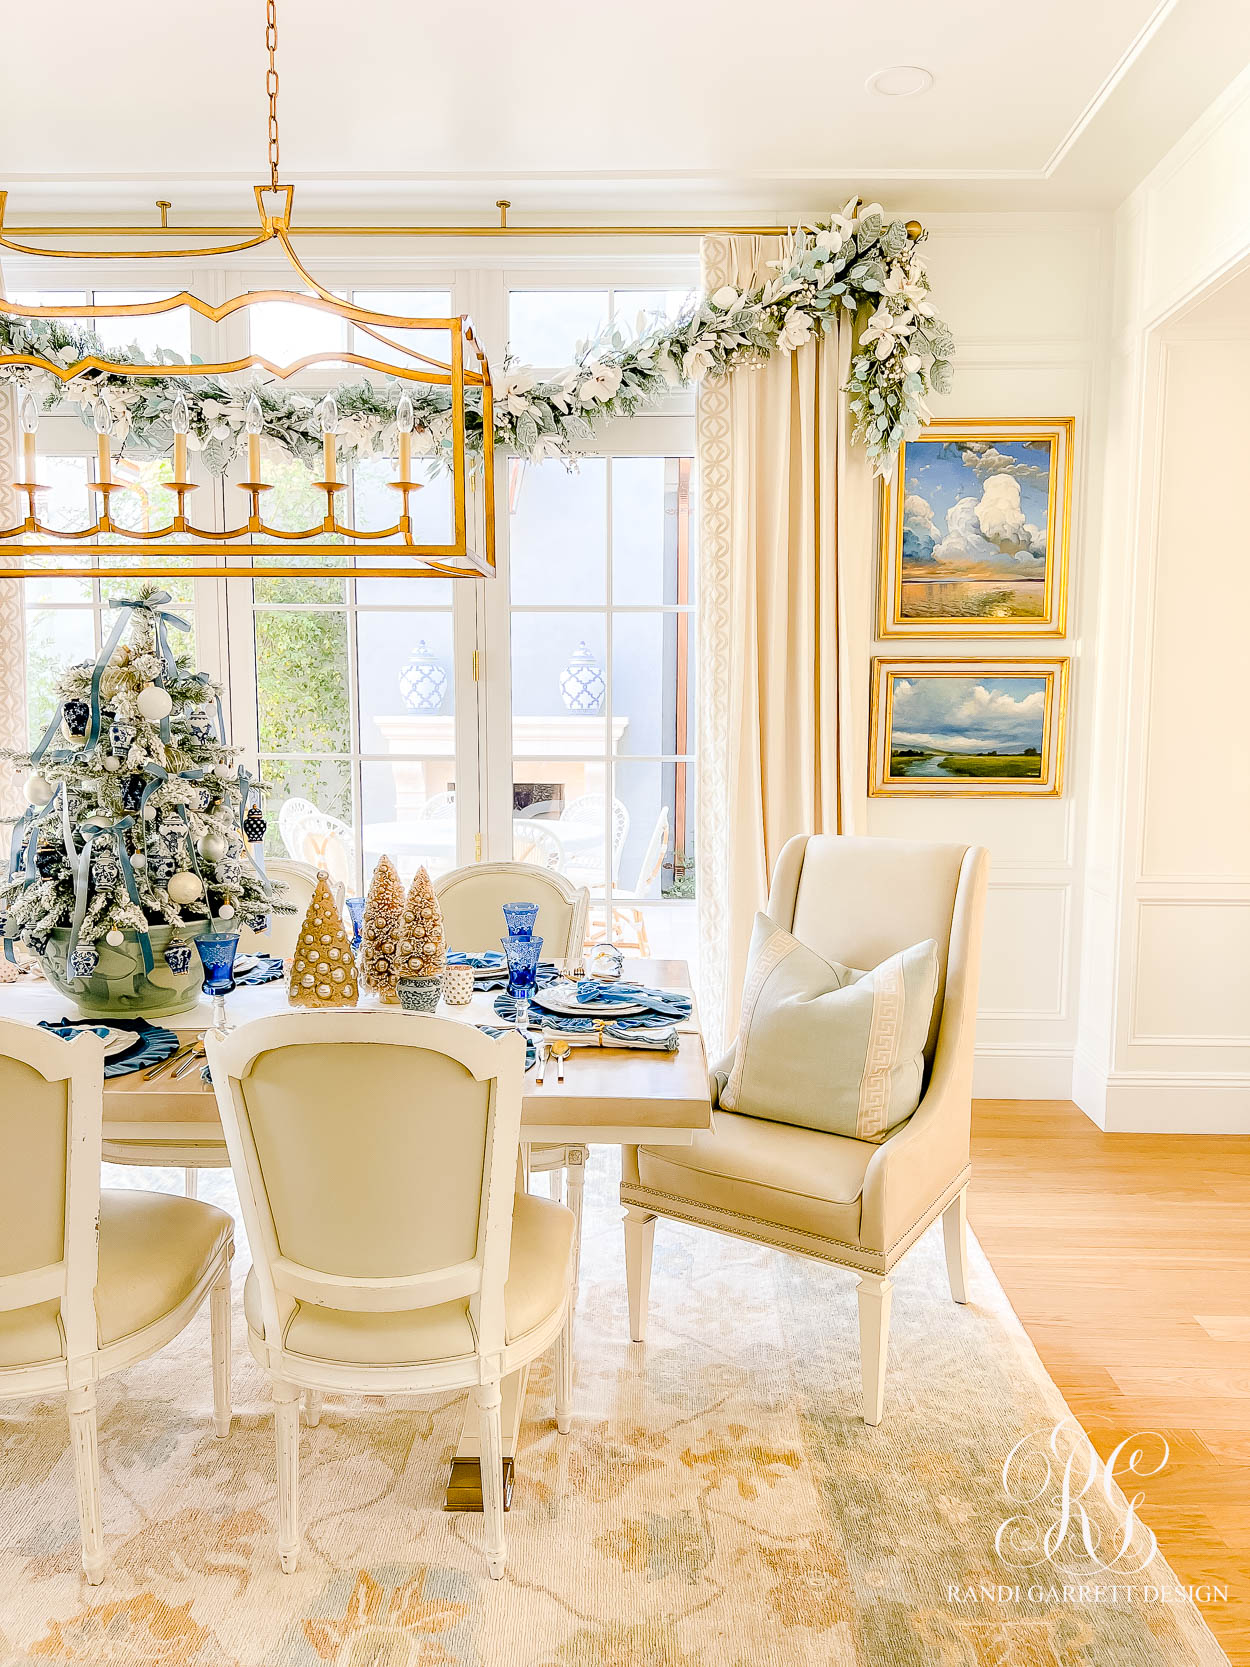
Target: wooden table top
x: 606, y: 1092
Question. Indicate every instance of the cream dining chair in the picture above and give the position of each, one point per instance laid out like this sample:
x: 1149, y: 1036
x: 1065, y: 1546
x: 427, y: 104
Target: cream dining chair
x: 91, y: 1282
x: 851, y: 1202
x: 375, y: 1156
x: 472, y: 901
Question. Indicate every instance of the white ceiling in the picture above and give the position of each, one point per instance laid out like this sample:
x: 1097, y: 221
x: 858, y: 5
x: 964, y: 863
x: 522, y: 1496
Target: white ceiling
x: 395, y: 107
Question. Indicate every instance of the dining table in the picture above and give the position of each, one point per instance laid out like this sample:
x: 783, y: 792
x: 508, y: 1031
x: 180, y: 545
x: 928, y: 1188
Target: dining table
x: 604, y: 1095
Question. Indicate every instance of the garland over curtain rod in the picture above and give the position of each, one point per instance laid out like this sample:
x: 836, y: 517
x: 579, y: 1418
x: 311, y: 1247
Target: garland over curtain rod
x: 852, y: 263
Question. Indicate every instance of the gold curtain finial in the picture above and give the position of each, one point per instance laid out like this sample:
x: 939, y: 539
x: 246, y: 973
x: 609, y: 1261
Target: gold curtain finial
x: 503, y: 204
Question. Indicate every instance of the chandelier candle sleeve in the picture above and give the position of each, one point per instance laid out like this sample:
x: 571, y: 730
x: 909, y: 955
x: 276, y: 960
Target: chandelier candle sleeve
x: 30, y: 427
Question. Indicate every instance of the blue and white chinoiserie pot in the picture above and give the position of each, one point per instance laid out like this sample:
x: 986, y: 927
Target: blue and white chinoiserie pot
x: 582, y: 684
x: 423, y: 681
x: 109, y: 981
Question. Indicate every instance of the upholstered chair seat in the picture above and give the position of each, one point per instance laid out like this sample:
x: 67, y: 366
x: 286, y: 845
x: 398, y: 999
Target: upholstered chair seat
x: 858, y: 1203
x: 91, y: 1282
x: 534, y: 1295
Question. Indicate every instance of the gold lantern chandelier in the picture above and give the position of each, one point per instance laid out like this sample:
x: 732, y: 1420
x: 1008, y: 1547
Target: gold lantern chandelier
x: 425, y: 406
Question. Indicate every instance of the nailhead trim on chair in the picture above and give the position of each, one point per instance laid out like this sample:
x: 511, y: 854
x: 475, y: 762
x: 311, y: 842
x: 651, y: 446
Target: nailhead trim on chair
x: 872, y: 1262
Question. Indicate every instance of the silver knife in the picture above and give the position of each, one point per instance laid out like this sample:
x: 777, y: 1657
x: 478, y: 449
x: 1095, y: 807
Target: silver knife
x: 168, y: 1064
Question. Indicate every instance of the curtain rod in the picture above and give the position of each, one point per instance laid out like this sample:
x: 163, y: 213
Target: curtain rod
x: 503, y: 229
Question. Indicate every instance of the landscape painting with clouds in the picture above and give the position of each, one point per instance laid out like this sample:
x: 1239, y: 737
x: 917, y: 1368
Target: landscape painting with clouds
x: 971, y: 545
x: 993, y: 726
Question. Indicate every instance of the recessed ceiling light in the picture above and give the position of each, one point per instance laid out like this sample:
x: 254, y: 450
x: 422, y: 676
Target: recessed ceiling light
x: 900, y: 81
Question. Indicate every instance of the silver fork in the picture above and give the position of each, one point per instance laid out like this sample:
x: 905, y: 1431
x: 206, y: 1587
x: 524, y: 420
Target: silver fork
x: 542, y: 1060
x: 175, y: 1058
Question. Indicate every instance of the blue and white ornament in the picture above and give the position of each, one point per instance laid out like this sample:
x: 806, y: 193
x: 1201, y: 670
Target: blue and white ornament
x: 178, y: 956
x: 82, y: 961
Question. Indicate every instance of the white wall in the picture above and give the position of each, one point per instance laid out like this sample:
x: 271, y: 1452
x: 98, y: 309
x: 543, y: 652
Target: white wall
x: 1164, y: 1040
x: 1025, y: 295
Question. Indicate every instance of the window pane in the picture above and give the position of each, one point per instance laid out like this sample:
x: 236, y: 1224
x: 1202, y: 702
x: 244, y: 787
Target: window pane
x: 292, y: 504
x: 652, y: 304
x: 300, y: 785
x: 410, y: 303
x: 558, y: 689
x: 301, y: 676
x: 431, y: 513
x: 55, y: 639
x: 545, y: 326
x: 64, y: 508
x: 406, y: 679
x: 653, y: 904
x: 558, y: 531
x: 148, y: 331
x: 284, y: 331
x: 557, y: 812
x: 409, y: 812
x: 651, y: 530
x: 651, y: 670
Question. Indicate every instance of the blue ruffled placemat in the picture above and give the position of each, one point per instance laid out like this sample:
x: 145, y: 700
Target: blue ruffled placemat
x: 152, y: 1044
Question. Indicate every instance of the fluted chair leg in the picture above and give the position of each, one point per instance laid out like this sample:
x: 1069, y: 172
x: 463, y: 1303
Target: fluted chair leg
x: 487, y: 1399
x: 286, y: 1433
x: 219, y: 1328
x: 875, y: 1295
x: 312, y: 1407
x: 82, y: 1435
x: 564, y: 1373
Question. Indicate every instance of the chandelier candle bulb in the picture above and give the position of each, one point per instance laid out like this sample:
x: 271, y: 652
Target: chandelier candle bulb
x: 255, y: 422
x: 180, y: 422
x: 30, y: 426
x: 103, y: 424
x: 405, y: 416
x: 329, y: 431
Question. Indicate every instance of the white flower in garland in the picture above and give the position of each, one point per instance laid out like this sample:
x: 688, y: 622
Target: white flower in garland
x: 517, y: 383
x: 600, y: 384
x: 796, y: 331
x: 698, y: 360
x: 885, y: 332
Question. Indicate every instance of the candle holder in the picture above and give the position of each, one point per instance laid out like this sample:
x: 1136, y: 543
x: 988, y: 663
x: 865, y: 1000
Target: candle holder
x: 217, y: 951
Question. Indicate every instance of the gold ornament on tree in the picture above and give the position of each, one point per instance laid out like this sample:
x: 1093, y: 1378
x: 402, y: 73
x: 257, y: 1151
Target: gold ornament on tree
x: 379, y: 936
x: 323, y: 972
x: 422, y: 949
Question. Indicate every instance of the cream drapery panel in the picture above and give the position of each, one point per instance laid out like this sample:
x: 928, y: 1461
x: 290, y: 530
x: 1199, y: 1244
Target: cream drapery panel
x: 12, y: 619
x: 785, y: 540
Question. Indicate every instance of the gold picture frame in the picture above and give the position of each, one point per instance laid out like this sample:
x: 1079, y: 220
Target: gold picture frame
x: 937, y: 728
x: 993, y: 565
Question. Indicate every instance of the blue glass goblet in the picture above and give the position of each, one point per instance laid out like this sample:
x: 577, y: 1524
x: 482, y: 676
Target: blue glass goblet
x: 356, y: 914
x: 217, y: 951
x: 520, y: 918
x: 522, y: 955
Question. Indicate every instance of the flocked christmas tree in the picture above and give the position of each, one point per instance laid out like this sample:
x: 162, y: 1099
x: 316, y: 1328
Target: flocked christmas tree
x: 323, y: 970
x: 421, y: 951
x: 135, y: 805
x: 379, y: 935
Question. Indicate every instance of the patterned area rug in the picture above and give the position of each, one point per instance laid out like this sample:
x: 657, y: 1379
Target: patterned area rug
x: 717, y: 1504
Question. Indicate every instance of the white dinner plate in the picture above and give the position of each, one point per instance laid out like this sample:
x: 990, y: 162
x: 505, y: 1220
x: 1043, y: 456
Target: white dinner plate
x: 564, y: 1000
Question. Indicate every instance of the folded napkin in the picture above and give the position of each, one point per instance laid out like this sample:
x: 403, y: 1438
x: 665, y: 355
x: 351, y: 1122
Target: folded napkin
x: 669, y: 1002
x: 547, y: 973
x: 619, y: 1033
x: 531, y: 1052
x: 489, y: 958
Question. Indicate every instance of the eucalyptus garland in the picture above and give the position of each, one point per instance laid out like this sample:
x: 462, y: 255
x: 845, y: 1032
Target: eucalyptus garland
x: 853, y: 263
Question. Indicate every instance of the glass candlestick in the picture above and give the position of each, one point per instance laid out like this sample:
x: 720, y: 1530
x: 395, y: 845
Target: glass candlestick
x: 522, y: 955
x: 217, y: 951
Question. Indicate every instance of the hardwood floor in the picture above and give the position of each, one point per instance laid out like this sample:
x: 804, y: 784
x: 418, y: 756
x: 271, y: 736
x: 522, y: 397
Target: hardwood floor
x: 1127, y: 1257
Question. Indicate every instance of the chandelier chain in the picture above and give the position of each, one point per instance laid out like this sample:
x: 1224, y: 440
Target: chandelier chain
x: 271, y: 86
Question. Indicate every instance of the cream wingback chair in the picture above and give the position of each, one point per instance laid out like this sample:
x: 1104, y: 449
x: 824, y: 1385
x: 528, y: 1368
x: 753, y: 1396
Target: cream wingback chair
x: 472, y: 901
x: 375, y: 1156
x: 90, y: 1282
x: 851, y: 1202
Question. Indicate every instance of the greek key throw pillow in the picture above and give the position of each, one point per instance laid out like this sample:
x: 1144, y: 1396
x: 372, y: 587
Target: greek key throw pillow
x: 830, y: 1047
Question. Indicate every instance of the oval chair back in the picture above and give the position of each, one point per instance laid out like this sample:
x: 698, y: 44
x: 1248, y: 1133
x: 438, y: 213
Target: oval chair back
x: 472, y: 901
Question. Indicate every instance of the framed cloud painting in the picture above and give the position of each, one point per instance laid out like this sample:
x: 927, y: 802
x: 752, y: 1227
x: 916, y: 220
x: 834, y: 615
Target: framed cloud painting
x: 975, y: 532
x: 967, y: 728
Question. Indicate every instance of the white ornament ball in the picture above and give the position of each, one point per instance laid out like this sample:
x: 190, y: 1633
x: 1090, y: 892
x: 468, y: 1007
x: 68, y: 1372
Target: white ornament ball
x: 112, y: 763
x: 223, y: 771
x: 226, y: 912
x: 213, y: 847
x: 154, y: 703
x: 114, y: 937
x: 138, y: 860
x: 38, y: 789
x: 184, y: 887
